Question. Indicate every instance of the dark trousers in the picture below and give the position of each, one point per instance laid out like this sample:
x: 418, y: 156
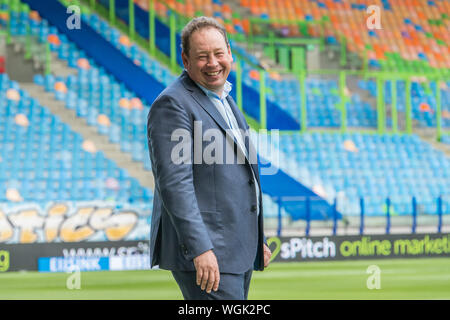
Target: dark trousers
x: 231, y: 286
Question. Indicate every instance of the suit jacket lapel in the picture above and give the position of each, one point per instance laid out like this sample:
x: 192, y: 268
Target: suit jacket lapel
x: 239, y: 118
x: 243, y: 126
x: 203, y: 101
x: 237, y: 113
x: 210, y: 108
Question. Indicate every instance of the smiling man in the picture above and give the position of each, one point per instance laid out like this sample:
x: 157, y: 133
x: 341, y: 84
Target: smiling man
x: 207, y: 220
x: 208, y: 61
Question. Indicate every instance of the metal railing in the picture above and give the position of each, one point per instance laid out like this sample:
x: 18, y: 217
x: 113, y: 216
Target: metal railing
x: 309, y: 209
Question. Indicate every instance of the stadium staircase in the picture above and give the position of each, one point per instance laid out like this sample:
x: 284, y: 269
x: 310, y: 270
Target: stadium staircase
x: 17, y: 67
x: 429, y: 135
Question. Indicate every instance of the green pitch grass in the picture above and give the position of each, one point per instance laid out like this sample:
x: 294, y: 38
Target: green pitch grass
x: 399, y: 279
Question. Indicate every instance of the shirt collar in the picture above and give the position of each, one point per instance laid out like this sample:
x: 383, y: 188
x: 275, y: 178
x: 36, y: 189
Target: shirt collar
x: 226, y: 90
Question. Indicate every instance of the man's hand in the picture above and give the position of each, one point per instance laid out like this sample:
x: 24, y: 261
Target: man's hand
x: 208, y: 275
x: 267, y: 255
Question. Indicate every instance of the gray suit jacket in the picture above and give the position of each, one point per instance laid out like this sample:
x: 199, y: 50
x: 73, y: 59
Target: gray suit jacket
x: 202, y: 206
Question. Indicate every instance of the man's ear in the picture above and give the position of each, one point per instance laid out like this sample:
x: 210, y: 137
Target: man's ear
x: 229, y: 52
x: 185, y: 60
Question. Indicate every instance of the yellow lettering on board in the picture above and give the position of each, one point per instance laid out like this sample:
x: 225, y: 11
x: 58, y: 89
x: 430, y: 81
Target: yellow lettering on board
x: 27, y: 221
x: 121, y: 225
x: 6, y: 231
x: 118, y: 233
x: 55, y: 218
x: 75, y: 228
x: 27, y: 236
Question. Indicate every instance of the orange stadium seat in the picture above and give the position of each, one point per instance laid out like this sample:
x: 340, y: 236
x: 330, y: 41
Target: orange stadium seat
x: 415, y: 30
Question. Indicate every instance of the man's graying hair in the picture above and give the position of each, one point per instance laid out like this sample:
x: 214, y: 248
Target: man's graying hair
x: 197, y: 24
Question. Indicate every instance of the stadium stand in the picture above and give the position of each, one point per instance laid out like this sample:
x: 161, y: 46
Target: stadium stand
x: 44, y: 160
x: 423, y: 101
x: 373, y: 167
x: 417, y: 36
x: 378, y: 167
